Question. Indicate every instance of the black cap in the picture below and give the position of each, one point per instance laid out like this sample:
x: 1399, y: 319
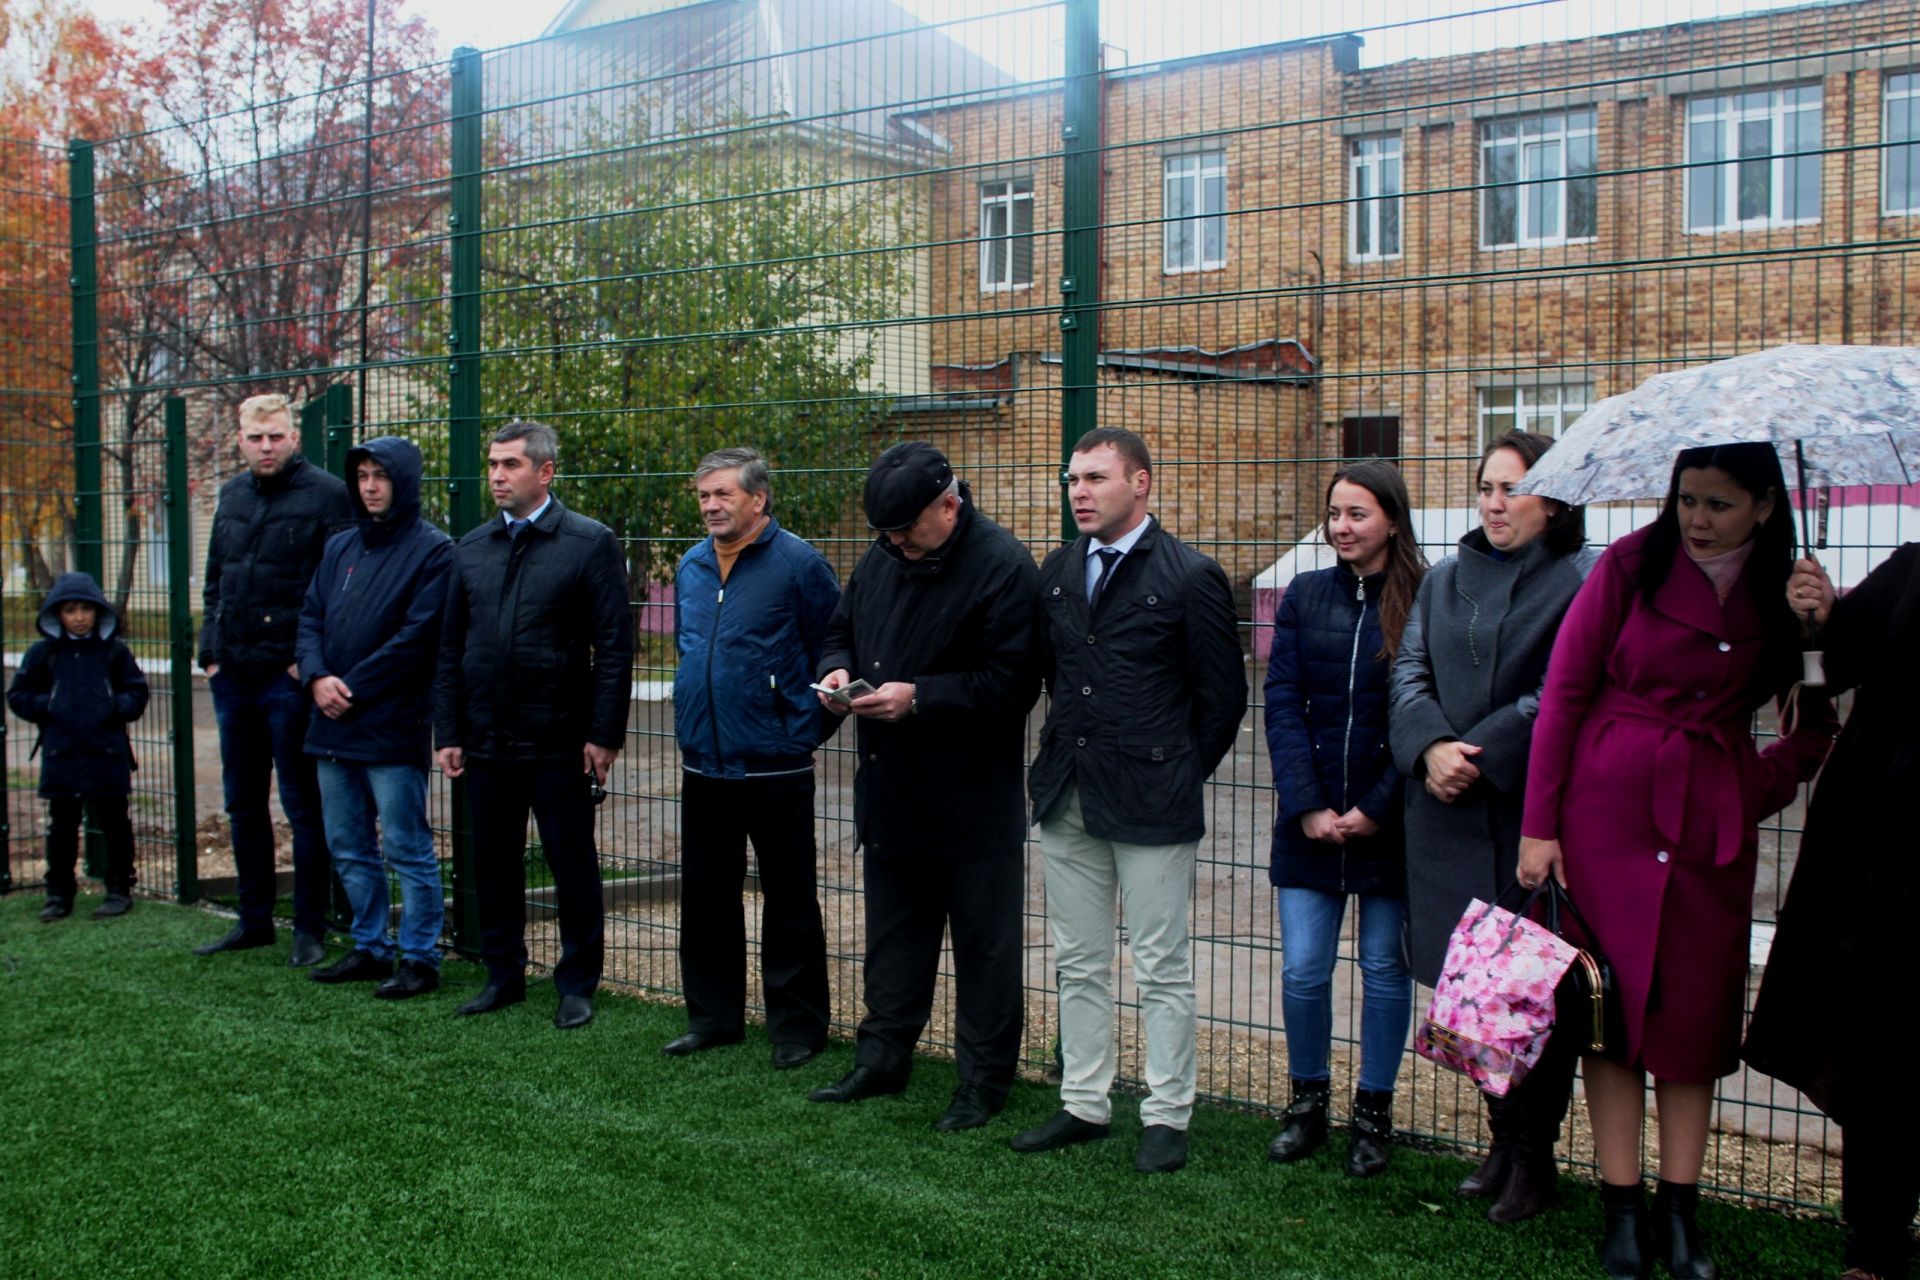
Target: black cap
x: 903, y: 483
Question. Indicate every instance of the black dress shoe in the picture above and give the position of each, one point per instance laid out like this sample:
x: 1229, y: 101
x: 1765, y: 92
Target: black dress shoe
x: 117, y: 904
x: 1062, y: 1130
x: 56, y: 909
x: 411, y: 979
x: 791, y: 1053
x: 1162, y: 1149
x: 695, y: 1041
x: 574, y: 1011
x: 238, y: 938
x: 307, y: 950
x: 493, y: 997
x: 972, y: 1107
x: 355, y: 966
x: 861, y: 1082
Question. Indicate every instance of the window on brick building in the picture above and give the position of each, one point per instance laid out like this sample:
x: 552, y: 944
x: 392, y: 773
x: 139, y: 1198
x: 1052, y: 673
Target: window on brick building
x: 1537, y: 183
x: 1753, y: 159
x: 1547, y: 408
x: 1373, y: 219
x: 1901, y: 169
x: 1194, y: 204
x: 1006, y: 234
x: 1370, y: 437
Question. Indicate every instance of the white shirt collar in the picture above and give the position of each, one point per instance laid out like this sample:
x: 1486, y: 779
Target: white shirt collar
x: 537, y: 512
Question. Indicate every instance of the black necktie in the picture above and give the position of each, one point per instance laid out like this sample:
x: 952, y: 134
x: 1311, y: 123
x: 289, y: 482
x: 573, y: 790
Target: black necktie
x: 1109, y: 557
x: 516, y: 527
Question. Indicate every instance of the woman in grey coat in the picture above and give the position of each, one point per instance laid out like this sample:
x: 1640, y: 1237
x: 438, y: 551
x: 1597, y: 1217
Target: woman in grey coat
x: 1463, y: 696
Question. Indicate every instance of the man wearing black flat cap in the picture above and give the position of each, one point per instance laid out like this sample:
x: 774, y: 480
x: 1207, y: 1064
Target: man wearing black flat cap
x: 938, y: 618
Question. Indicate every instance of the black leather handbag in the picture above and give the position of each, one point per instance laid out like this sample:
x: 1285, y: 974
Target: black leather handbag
x: 1588, y: 1002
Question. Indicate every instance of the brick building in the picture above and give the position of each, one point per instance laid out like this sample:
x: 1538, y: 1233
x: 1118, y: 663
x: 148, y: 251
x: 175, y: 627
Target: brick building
x: 1303, y: 259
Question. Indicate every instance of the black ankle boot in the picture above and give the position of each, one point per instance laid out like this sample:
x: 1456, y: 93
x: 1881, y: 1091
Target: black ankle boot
x: 1369, y: 1133
x: 1304, y: 1130
x: 1625, y: 1251
x: 1676, y: 1236
x: 1492, y: 1173
x: 1533, y: 1182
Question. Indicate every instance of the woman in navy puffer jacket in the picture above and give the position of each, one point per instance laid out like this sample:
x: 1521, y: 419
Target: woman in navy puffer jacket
x: 1338, y: 806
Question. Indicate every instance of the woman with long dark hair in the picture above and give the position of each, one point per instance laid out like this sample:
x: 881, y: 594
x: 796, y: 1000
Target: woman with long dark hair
x: 1338, y: 821
x: 1466, y: 687
x: 1644, y: 796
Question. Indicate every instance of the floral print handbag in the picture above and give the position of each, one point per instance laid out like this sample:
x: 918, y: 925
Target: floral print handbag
x: 1493, y: 1008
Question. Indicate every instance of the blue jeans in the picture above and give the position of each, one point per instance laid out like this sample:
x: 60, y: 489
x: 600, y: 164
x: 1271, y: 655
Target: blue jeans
x: 351, y: 793
x: 1309, y: 935
x: 263, y: 731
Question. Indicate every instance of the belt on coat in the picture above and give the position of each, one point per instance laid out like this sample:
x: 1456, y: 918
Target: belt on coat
x: 1672, y: 762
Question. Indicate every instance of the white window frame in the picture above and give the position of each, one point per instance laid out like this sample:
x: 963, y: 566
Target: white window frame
x: 1543, y: 408
x: 1193, y: 170
x: 1902, y: 95
x: 1553, y: 128
x: 1727, y: 112
x: 1005, y: 198
x: 1376, y: 177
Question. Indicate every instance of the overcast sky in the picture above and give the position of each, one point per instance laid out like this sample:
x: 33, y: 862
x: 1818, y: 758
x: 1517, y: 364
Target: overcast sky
x: 1140, y: 31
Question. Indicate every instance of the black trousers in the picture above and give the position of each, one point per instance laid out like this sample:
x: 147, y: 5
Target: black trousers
x: 109, y: 814
x: 718, y: 816
x: 499, y: 796
x: 1879, y: 1193
x: 911, y: 898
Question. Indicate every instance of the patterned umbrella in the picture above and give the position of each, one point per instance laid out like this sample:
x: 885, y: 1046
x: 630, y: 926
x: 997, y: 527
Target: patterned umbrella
x: 1838, y: 415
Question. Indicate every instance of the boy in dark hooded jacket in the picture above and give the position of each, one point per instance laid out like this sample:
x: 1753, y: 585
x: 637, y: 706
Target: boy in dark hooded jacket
x: 83, y: 688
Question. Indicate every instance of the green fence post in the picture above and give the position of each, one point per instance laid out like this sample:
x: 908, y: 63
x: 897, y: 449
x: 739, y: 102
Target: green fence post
x: 1080, y: 239
x: 89, y: 509
x: 313, y: 433
x: 338, y: 413
x: 180, y: 652
x: 88, y: 522
x: 463, y: 407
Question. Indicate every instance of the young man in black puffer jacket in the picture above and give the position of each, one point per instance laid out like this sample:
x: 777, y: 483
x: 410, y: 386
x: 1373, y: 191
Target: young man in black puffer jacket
x: 269, y: 531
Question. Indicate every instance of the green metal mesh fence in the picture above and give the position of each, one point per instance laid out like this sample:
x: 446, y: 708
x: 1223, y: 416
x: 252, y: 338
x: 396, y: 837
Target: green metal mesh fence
x: 1264, y: 241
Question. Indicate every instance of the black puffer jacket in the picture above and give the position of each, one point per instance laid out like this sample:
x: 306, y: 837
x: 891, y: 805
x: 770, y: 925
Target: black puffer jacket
x: 268, y: 536
x: 82, y: 693
x: 1147, y: 696
x: 372, y: 620
x: 1326, y: 697
x: 957, y: 625
x: 536, y: 648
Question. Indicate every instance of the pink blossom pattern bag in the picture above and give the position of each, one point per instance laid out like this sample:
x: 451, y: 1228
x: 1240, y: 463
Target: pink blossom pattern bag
x: 1493, y: 1008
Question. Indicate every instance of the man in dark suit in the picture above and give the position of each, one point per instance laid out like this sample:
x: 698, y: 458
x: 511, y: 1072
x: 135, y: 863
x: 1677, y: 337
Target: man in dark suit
x: 1148, y: 688
x: 530, y: 706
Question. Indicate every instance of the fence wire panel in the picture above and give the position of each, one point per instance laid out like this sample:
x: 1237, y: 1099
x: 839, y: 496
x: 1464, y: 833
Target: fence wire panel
x: 36, y: 456
x: 1265, y: 241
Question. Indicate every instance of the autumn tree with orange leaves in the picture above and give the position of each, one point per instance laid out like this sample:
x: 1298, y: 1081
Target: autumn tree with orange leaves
x: 253, y: 163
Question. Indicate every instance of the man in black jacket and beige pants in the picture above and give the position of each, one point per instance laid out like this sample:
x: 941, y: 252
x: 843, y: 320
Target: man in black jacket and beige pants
x: 938, y: 618
x: 1148, y: 688
x: 530, y: 705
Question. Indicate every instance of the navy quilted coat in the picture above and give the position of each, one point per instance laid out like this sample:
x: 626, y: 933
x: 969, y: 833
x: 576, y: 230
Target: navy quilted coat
x: 1326, y: 714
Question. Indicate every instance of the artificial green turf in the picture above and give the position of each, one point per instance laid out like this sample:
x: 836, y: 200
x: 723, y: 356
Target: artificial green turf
x: 166, y: 1114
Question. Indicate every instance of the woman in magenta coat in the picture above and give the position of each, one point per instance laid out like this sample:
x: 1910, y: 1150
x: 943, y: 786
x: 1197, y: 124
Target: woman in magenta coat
x: 1644, y: 796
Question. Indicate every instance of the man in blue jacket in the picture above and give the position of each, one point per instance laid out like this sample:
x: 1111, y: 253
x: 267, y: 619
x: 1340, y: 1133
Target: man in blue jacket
x: 751, y: 607
x: 369, y: 638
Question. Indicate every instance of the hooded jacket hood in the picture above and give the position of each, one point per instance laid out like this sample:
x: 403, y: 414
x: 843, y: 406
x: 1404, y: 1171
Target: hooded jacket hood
x: 81, y: 587
x: 400, y: 458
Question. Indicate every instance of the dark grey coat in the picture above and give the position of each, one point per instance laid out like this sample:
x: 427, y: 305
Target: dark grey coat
x: 1470, y: 668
